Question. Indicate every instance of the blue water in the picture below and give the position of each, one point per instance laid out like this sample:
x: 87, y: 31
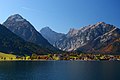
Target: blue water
x: 60, y: 70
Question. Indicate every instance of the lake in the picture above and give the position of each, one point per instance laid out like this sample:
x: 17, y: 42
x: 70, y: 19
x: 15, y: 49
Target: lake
x: 60, y: 70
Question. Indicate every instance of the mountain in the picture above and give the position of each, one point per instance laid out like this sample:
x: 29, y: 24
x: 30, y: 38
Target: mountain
x: 23, y: 28
x: 92, y: 39
x: 11, y: 43
x: 51, y: 35
x: 96, y: 38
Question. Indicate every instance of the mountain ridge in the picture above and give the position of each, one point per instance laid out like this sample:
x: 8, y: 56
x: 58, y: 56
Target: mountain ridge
x: 15, y: 45
x: 89, y: 38
x: 24, y: 29
x: 47, y: 32
x: 95, y: 38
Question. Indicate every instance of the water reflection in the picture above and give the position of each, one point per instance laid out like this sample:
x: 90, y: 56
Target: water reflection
x: 60, y: 70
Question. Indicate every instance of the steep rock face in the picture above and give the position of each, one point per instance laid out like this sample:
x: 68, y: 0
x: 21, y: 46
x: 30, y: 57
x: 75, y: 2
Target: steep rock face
x: 51, y: 35
x: 23, y: 28
x: 90, y: 38
x: 101, y: 43
x: 11, y: 43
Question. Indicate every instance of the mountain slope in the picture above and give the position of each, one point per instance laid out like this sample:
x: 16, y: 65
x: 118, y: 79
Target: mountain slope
x: 51, y: 35
x: 104, y: 43
x: 92, y: 38
x: 113, y: 47
x: 23, y: 28
x: 11, y: 43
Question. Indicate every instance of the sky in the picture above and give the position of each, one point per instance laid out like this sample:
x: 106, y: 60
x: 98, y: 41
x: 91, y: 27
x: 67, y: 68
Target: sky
x: 61, y: 15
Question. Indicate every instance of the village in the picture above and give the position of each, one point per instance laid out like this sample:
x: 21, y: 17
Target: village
x: 65, y: 56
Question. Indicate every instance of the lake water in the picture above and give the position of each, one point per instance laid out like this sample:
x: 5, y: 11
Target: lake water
x: 60, y: 70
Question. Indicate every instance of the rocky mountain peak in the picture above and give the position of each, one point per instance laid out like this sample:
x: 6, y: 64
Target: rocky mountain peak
x: 47, y: 29
x: 72, y: 32
x: 101, y: 23
x: 51, y: 35
x: 24, y: 29
x: 16, y: 17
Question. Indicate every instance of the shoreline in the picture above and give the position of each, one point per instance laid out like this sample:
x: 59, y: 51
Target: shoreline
x: 54, y: 60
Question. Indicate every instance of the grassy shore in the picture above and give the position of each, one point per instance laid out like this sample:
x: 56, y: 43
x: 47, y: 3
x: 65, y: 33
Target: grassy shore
x: 4, y: 56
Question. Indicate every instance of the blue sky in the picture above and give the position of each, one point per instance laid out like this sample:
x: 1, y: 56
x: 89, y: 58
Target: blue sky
x: 61, y: 15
